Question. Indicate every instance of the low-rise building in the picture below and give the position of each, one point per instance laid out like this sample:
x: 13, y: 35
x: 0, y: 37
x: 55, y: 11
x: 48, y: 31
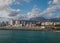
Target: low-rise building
x: 56, y: 23
x: 38, y: 24
x: 47, y: 23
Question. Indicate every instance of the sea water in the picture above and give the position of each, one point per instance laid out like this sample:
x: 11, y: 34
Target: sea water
x: 18, y: 36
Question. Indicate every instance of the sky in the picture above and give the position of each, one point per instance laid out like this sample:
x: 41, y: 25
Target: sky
x: 26, y: 9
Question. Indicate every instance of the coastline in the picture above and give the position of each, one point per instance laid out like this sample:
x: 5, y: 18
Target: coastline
x: 28, y: 29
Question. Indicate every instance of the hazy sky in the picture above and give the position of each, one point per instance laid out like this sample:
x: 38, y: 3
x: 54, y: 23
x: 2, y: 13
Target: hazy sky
x: 26, y: 9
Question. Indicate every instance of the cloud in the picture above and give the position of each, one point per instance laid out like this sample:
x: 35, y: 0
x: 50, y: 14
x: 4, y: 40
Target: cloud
x: 6, y: 10
x: 18, y: 2
x: 14, y: 13
x: 56, y: 1
x: 55, y: 6
x: 27, y: 0
x: 50, y: 2
x: 22, y: 17
x: 50, y: 15
x: 57, y: 17
x: 35, y: 12
x: 3, y: 13
x: 4, y: 3
x: 51, y: 9
x: 47, y: 13
x: 9, y: 12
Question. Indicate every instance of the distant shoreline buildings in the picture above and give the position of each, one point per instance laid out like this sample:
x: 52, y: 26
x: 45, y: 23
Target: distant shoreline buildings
x: 27, y: 23
x: 19, y: 23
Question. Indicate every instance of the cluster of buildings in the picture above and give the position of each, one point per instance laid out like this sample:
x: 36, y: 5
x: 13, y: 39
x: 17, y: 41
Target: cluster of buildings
x: 18, y: 23
x: 3, y: 24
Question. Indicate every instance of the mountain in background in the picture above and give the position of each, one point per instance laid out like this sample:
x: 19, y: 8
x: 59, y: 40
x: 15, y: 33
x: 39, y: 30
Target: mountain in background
x: 55, y: 19
x: 41, y: 19
x: 38, y: 19
x: 3, y: 19
x: 44, y: 19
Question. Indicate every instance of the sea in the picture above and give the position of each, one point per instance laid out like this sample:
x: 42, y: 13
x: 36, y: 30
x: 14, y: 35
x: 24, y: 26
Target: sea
x: 21, y: 36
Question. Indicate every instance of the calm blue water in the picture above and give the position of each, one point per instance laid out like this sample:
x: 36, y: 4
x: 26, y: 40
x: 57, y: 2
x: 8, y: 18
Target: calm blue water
x: 17, y: 36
